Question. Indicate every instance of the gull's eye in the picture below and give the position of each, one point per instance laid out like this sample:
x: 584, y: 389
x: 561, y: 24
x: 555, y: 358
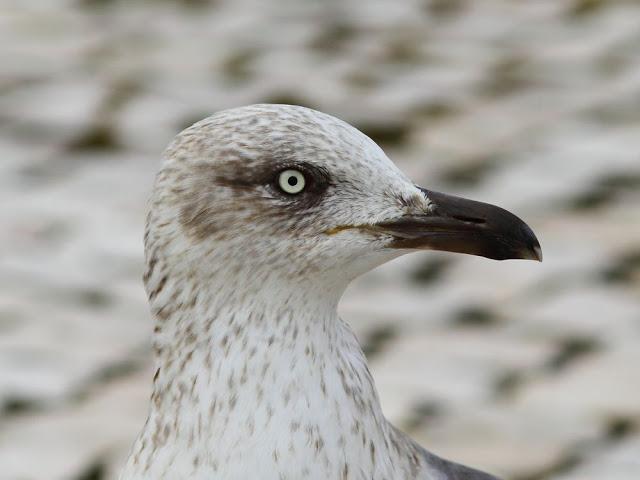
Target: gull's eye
x: 291, y: 181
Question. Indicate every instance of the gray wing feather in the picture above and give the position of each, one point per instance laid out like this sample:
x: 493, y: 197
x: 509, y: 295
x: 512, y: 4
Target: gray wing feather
x: 454, y: 471
x: 429, y: 466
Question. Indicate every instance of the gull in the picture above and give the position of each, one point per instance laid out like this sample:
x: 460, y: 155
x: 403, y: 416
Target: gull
x: 259, y: 218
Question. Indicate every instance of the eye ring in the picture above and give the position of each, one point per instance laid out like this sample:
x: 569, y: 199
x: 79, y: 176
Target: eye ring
x: 291, y: 181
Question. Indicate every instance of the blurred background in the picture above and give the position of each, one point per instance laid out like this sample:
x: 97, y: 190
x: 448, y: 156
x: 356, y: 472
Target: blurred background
x: 531, y: 371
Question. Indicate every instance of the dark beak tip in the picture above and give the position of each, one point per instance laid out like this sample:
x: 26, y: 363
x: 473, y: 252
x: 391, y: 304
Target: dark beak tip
x: 525, y: 248
x: 533, y: 253
x: 534, y: 250
x: 538, y: 253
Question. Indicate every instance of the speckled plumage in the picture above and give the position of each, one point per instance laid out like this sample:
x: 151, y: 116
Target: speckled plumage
x: 257, y: 376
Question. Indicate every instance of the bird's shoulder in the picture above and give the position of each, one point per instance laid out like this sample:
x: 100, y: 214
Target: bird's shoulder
x: 433, y: 467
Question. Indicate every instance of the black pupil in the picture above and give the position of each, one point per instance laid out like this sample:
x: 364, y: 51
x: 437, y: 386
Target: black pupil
x: 293, y: 181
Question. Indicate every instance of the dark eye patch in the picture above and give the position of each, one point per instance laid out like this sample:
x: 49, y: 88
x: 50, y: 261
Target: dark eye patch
x: 245, y: 174
x: 248, y: 187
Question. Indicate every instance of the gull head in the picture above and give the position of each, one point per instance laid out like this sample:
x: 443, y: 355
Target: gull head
x: 286, y: 193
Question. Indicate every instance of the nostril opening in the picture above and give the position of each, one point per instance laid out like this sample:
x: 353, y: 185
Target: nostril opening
x: 464, y: 218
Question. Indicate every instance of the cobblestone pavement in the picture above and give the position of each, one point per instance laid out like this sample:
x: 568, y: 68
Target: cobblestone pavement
x: 528, y: 370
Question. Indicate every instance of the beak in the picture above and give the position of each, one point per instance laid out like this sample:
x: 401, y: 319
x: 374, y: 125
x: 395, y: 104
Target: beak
x: 464, y: 226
